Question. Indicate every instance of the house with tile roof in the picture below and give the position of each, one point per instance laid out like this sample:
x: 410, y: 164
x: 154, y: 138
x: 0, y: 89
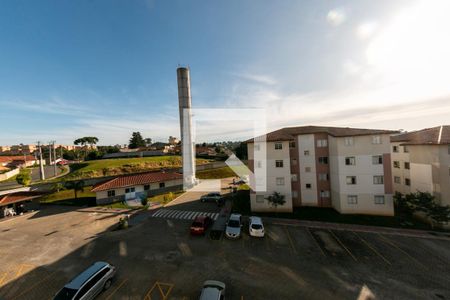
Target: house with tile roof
x: 135, y: 187
x: 421, y: 162
x: 19, y: 202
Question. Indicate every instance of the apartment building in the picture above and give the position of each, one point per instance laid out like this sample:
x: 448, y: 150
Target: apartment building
x: 344, y: 168
x: 421, y: 162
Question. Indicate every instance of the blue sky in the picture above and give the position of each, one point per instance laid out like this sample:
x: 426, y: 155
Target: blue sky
x: 107, y: 68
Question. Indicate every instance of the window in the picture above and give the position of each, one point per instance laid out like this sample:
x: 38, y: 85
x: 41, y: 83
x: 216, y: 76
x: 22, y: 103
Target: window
x: 377, y: 160
x: 280, y: 180
x: 376, y: 139
x: 307, y: 169
x: 407, y: 181
x: 278, y: 146
x: 394, y: 148
x: 348, y: 141
x: 294, y: 177
x: 112, y: 193
x: 325, y: 194
x: 397, y: 179
x: 351, y: 179
x: 322, y: 143
x: 162, y: 184
x: 350, y: 161
x: 257, y: 147
x: 294, y: 194
x: 146, y: 187
x: 306, y: 152
x: 323, y: 176
x: 278, y: 163
x: 260, y: 198
x: 379, y: 199
x: 294, y: 161
x: 129, y: 190
x: 378, y: 179
x: 352, y: 199
x: 396, y: 164
x: 291, y: 144
x: 323, y: 160
x: 258, y: 164
x: 406, y: 165
x: 308, y: 185
x: 405, y: 149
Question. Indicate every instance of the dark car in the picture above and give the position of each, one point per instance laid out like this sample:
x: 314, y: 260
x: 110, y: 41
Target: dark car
x: 200, y: 224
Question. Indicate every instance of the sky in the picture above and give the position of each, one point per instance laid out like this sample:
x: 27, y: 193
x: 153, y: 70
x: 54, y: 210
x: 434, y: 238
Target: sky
x: 107, y: 68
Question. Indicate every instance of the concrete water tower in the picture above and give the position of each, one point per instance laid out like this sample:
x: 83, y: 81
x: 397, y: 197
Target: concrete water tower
x: 188, y: 146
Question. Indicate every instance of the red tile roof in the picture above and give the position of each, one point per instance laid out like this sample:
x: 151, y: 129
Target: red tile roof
x: 136, y: 179
x: 18, y: 197
x: 439, y: 135
x: 289, y: 133
x: 16, y: 158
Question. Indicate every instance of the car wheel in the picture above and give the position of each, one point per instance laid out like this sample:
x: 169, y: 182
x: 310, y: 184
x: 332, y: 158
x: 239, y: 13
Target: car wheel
x: 107, y: 284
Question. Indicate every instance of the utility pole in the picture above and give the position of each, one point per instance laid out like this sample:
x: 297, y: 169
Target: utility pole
x: 51, y: 147
x: 41, y: 167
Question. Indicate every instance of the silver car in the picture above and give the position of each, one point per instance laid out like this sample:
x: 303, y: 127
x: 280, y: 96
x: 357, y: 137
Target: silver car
x: 234, y: 225
x: 89, y: 283
x: 213, y: 290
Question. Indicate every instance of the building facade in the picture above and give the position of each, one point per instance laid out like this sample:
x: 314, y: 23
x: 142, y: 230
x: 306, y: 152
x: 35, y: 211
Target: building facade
x: 421, y: 162
x: 344, y: 168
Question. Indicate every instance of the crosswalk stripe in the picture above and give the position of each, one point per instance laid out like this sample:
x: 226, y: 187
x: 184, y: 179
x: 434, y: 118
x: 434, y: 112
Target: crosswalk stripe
x: 185, y: 214
x: 182, y: 214
x: 178, y: 216
x: 169, y: 213
x: 216, y: 215
x: 156, y: 214
x: 189, y: 217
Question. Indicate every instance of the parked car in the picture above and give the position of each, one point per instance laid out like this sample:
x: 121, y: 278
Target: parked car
x: 212, y: 197
x: 255, y: 227
x: 89, y: 283
x: 234, y: 225
x: 213, y: 290
x: 200, y: 224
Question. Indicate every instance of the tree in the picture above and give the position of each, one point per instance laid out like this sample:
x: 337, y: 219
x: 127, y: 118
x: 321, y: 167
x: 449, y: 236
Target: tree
x: 440, y: 214
x: 136, y: 141
x: 24, y: 177
x: 76, y: 186
x: 241, y: 151
x: 276, y: 199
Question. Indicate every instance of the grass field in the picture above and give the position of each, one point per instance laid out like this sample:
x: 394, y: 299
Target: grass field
x: 111, y: 167
x: 215, y: 173
x: 165, y: 198
x: 67, y: 197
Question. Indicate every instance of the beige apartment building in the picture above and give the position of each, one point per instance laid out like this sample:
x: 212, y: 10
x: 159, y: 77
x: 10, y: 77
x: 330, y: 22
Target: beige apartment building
x: 344, y: 168
x: 421, y: 162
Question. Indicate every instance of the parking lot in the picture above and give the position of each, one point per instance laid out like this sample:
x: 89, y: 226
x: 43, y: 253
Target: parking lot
x: 158, y: 259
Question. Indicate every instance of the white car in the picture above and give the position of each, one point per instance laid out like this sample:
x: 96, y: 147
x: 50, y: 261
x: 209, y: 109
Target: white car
x: 213, y: 290
x: 255, y: 227
x: 233, y: 229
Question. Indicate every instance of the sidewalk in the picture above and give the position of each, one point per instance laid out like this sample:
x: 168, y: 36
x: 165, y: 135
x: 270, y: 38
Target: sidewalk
x: 360, y: 228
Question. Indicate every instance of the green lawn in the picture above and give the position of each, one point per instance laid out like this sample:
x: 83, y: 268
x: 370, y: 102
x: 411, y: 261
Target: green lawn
x: 110, y: 167
x: 215, y: 173
x: 165, y: 198
x: 67, y: 197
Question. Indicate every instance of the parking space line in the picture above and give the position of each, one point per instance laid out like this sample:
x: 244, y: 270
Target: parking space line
x: 316, y: 242
x: 342, y: 244
x: 290, y: 240
x: 372, y: 248
x: 389, y: 242
x: 117, y: 288
x: 2, y: 278
x: 33, y: 286
x: 158, y: 285
x: 22, y: 266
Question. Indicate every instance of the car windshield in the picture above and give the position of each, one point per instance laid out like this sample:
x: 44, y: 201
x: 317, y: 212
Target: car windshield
x: 197, y: 224
x: 257, y: 226
x: 65, y: 294
x: 233, y: 223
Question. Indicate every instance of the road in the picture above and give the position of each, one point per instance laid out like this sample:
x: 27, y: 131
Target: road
x: 35, y: 177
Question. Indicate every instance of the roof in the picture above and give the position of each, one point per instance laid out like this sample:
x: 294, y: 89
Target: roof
x: 18, y: 197
x: 136, y: 179
x: 16, y: 158
x: 78, y: 281
x: 439, y: 135
x: 289, y: 133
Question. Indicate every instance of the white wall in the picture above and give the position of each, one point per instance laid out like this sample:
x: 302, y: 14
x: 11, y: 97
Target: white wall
x: 306, y: 143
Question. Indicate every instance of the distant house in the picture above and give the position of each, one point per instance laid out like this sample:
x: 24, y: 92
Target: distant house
x: 137, y: 186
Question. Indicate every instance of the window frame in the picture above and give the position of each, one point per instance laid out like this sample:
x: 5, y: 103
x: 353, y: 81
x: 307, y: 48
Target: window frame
x: 378, y: 179
x: 354, y: 200
x: 111, y: 193
x: 278, y: 146
x: 379, y: 202
x: 377, y: 159
x: 279, y: 163
x: 350, y: 161
x: 352, y: 180
x: 279, y: 181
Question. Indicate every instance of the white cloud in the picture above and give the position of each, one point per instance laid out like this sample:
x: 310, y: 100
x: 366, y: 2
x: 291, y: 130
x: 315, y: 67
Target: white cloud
x: 366, y: 30
x: 336, y: 17
x: 258, y: 78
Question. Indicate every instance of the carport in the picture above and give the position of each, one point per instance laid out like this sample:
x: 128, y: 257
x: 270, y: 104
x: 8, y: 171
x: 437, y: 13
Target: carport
x: 19, y: 202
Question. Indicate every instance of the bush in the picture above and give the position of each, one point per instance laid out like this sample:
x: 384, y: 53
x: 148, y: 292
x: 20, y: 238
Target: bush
x: 24, y: 177
x: 144, y: 201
